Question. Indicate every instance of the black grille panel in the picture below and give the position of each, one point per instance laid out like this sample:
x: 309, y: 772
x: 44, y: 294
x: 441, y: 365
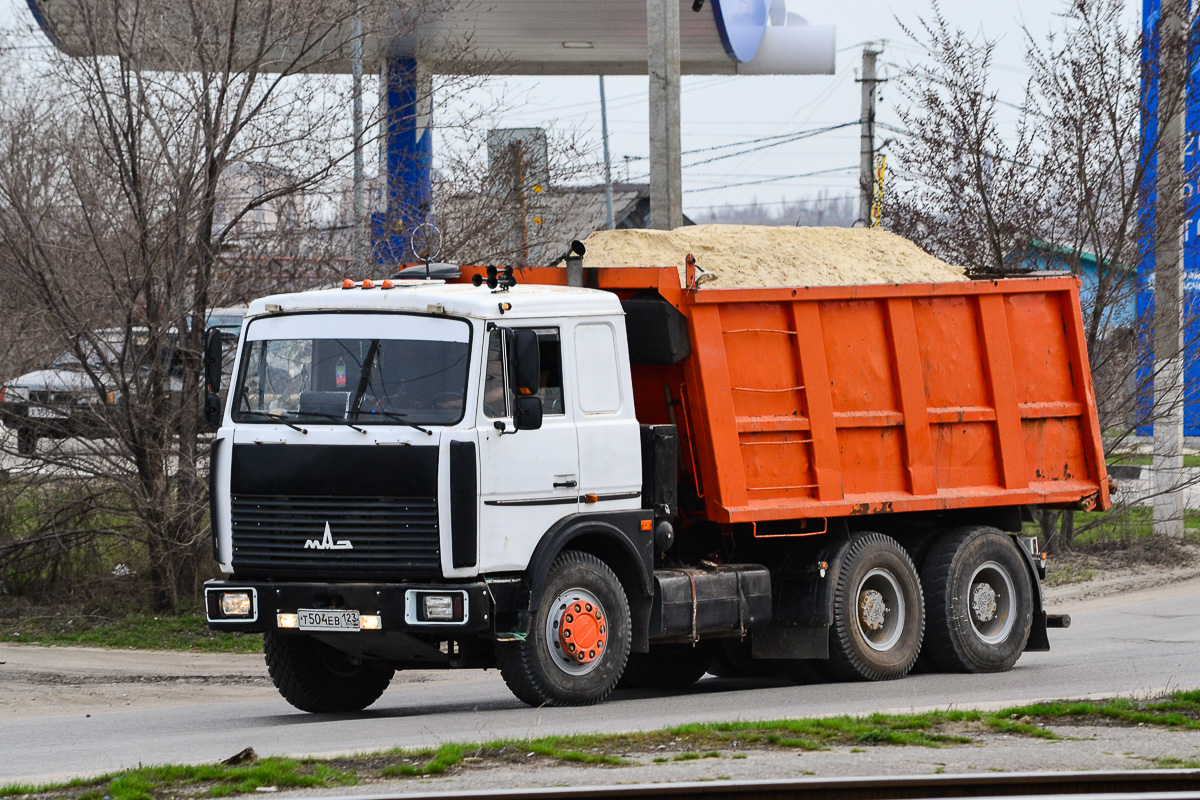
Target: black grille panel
x: 392, y: 537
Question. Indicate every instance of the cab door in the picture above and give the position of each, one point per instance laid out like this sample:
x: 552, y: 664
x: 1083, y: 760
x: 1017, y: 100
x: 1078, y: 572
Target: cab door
x: 528, y: 479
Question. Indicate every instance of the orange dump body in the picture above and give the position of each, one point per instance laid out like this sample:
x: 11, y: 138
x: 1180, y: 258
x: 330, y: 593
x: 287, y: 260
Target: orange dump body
x: 809, y: 403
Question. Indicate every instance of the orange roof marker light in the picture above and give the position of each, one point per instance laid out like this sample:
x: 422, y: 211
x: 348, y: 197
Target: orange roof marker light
x: 348, y: 284
x: 387, y: 284
x: 368, y: 284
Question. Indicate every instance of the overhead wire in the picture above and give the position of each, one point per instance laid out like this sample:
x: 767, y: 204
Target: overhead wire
x: 772, y: 180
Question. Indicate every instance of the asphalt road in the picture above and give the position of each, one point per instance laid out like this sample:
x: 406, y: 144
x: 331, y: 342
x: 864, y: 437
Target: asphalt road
x: 1142, y: 643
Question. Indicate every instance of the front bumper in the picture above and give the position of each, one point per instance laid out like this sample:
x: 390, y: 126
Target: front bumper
x: 394, y: 603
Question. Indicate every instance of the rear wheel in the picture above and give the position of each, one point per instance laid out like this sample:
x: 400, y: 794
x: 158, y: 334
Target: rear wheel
x: 878, y: 611
x: 315, y: 677
x: 668, y: 666
x: 979, y: 598
x: 578, y: 640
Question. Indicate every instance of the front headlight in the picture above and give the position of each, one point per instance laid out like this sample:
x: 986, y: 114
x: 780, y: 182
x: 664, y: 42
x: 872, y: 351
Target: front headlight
x: 236, y: 604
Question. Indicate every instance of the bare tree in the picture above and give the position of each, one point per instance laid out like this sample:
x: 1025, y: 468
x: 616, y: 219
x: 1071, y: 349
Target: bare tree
x: 113, y: 225
x: 970, y: 190
x: 1061, y: 185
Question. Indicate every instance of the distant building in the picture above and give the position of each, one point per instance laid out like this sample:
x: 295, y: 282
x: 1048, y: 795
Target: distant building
x: 243, y: 183
x: 1041, y: 256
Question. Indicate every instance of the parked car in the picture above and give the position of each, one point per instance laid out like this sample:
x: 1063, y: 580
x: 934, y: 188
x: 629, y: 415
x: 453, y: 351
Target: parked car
x: 62, y: 400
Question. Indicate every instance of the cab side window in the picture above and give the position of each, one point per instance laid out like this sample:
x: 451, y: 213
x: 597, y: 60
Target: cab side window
x: 550, y: 382
x: 495, y: 393
x: 496, y: 400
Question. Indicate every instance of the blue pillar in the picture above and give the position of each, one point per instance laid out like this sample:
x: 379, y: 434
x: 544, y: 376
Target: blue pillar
x: 409, y: 151
x: 1191, y: 245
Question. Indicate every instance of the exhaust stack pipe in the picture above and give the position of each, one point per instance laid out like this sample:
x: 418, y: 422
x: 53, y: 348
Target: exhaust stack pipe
x: 575, y: 264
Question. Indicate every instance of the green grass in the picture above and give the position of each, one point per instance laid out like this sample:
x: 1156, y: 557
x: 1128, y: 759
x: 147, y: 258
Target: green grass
x: 1133, y: 522
x: 1145, y: 459
x: 132, y: 631
x: 216, y: 780
x: 1179, y: 710
x: 1126, y: 524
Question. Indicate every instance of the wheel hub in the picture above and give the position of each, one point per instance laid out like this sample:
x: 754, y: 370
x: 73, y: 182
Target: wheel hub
x: 990, y: 597
x: 582, y: 632
x: 983, y: 602
x: 576, y: 631
x: 881, y: 611
x: 873, y: 609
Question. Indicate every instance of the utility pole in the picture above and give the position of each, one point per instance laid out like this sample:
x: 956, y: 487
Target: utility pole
x: 1168, y: 270
x: 866, y: 155
x: 608, y: 203
x: 666, y: 158
x: 356, y: 67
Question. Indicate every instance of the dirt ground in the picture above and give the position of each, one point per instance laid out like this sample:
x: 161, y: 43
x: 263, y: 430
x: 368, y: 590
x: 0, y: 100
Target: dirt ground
x: 1136, y: 566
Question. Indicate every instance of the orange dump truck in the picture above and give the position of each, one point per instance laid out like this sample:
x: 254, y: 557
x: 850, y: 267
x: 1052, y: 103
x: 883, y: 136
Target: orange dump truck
x: 876, y: 447
x: 628, y: 479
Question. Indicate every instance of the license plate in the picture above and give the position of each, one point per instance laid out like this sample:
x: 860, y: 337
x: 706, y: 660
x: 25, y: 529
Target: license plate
x: 37, y: 412
x: 324, y: 619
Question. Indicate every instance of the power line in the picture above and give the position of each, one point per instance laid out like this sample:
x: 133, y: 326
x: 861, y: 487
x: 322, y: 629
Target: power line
x: 794, y: 138
x: 776, y: 202
x: 771, y: 180
x: 778, y: 139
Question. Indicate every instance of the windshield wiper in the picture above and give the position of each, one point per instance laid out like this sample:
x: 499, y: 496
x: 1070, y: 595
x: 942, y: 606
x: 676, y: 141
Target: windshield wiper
x: 333, y: 418
x: 364, y: 377
x: 275, y: 417
x: 401, y: 418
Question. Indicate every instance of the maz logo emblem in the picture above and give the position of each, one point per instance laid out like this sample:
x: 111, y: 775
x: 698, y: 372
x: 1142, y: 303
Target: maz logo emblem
x: 326, y: 542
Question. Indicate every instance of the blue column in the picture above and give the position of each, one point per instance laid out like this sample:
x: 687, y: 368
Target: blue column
x: 409, y: 150
x: 1191, y: 239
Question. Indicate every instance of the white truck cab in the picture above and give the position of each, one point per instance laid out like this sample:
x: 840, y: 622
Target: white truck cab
x: 384, y: 480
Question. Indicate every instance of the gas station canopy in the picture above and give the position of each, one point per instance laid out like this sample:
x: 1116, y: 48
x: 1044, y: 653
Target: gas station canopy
x: 529, y: 37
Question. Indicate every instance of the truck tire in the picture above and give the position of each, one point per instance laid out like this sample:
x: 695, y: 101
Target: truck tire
x: 979, y: 600
x: 578, y: 640
x: 315, y: 677
x: 27, y: 442
x: 878, y: 611
x: 668, y: 666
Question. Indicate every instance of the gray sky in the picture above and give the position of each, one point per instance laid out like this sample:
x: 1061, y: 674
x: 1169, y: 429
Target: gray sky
x: 719, y: 110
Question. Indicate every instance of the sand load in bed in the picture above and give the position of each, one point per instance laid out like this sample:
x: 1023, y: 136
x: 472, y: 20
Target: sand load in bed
x: 755, y: 256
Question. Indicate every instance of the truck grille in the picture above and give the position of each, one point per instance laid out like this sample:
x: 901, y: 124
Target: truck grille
x: 284, y: 536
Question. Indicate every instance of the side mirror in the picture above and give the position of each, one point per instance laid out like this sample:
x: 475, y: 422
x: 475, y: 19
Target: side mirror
x: 527, y: 416
x: 212, y: 360
x: 524, y: 361
x: 212, y: 409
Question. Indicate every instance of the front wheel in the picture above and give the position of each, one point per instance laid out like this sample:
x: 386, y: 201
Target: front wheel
x: 980, y: 600
x: 315, y: 677
x: 578, y: 640
x: 878, y: 611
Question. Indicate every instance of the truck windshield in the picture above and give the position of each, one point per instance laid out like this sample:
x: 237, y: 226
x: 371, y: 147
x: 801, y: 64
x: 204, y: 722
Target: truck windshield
x: 364, y: 369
